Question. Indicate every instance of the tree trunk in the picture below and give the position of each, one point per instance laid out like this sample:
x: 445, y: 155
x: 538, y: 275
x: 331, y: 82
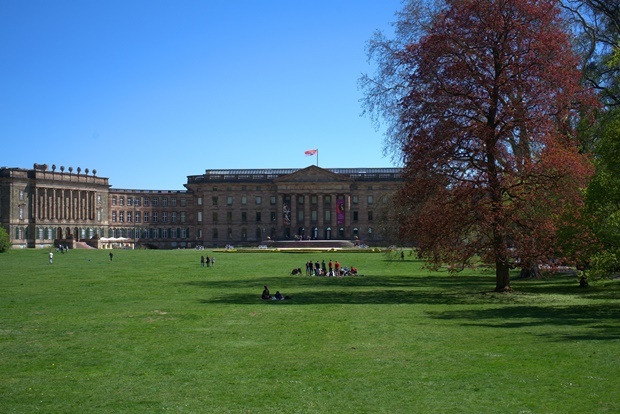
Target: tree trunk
x: 502, y: 277
x: 530, y: 269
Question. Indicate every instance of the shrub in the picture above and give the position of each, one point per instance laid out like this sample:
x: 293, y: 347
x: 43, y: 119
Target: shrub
x: 5, y: 242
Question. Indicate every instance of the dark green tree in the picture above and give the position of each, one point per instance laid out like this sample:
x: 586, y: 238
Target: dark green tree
x: 5, y: 242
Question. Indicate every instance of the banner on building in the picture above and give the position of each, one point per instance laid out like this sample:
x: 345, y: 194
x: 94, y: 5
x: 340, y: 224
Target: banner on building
x: 340, y: 211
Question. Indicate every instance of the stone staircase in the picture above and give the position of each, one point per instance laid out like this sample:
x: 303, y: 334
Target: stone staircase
x: 309, y: 244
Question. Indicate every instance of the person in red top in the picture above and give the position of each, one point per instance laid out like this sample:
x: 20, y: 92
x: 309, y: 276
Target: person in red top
x: 331, y: 267
x: 337, y: 268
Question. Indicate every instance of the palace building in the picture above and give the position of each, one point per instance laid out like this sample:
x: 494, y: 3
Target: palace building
x: 40, y: 207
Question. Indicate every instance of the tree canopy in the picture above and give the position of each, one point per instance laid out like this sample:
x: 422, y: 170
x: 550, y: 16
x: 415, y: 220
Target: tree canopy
x: 5, y: 242
x: 481, y: 101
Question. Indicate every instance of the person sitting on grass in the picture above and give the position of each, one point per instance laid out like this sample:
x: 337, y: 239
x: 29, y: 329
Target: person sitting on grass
x: 265, y: 295
x: 279, y: 296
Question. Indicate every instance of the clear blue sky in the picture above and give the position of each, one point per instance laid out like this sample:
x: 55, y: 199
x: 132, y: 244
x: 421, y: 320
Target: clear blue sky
x: 149, y: 92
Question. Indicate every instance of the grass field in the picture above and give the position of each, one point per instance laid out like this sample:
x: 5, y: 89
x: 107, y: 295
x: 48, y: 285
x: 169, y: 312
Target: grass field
x: 152, y: 331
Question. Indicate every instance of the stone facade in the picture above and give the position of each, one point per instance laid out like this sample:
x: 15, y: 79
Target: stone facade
x: 253, y: 206
x: 153, y: 218
x: 40, y: 208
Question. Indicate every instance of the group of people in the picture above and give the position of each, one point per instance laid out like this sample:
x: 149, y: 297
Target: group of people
x: 62, y: 249
x: 326, y: 269
x: 209, y: 261
x: 267, y: 296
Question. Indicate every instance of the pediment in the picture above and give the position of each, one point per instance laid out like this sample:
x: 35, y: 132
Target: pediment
x: 312, y: 174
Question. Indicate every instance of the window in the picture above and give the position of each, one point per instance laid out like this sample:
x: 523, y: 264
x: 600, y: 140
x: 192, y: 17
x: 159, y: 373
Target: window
x: 164, y: 217
x: 272, y: 200
x: 99, y: 199
x: 214, y: 217
x: 384, y: 199
x: 259, y: 200
x: 244, y: 217
x: 300, y: 199
x: 155, y: 217
x: 273, y: 216
x: 114, y: 216
x: 113, y: 200
x: 258, y: 217
x: 244, y: 200
x: 300, y: 216
x: 137, y: 218
x: 21, y: 213
x: 146, y: 216
x: 327, y: 200
x: 199, y: 201
x: 182, y: 216
x: 21, y: 194
x: 183, y: 202
x: 229, y: 217
x: 164, y: 201
x: 369, y: 199
x: 129, y: 215
x: 229, y: 200
x: 129, y: 201
x: 173, y: 201
x: 155, y: 202
x: 121, y: 201
x: 370, y: 216
x: 146, y: 202
x: 314, y: 199
x: 198, y: 217
x: 214, y: 200
x: 313, y: 216
x: 355, y: 199
x: 137, y: 201
x: 173, y: 216
x: 328, y: 216
x: 355, y: 216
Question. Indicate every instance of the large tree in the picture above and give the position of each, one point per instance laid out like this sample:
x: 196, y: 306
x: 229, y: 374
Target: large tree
x: 483, y: 110
x: 596, y: 24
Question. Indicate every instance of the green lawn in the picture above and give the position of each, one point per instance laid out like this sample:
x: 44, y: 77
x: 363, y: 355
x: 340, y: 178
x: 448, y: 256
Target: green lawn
x: 152, y: 331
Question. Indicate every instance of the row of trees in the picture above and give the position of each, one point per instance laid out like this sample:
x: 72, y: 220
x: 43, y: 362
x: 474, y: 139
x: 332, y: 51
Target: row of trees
x: 504, y: 114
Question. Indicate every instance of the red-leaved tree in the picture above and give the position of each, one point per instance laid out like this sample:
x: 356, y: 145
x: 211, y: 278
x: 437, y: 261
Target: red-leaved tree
x: 486, y: 130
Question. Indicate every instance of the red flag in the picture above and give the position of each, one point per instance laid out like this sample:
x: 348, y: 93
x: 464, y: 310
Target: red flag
x: 311, y: 152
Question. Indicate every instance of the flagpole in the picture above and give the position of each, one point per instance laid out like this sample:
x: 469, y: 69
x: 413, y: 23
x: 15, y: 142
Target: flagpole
x: 317, y: 157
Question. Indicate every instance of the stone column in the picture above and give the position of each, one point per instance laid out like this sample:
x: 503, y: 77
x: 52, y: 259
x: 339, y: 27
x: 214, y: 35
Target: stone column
x: 307, y: 221
x: 320, y: 219
x: 80, y: 205
x: 39, y: 202
x: 294, y: 213
x: 279, y: 218
x: 347, y: 216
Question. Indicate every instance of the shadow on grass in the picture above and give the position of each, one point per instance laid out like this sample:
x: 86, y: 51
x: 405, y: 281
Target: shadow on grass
x: 359, y: 290
x: 590, y: 322
x: 331, y: 297
x: 455, y: 283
